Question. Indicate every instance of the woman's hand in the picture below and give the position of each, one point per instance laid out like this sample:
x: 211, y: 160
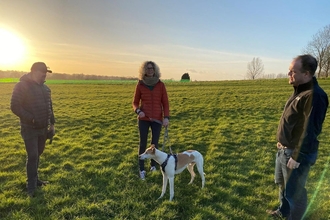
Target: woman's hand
x: 165, y: 122
x: 141, y: 114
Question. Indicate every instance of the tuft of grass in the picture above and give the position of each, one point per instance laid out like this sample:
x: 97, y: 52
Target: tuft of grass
x: 92, y: 164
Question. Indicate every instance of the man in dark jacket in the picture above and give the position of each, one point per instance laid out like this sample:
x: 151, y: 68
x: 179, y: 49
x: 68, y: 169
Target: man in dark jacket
x: 31, y: 102
x: 297, y: 133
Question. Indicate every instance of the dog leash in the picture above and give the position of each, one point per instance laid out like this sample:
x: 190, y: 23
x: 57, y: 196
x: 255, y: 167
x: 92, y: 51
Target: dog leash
x: 165, y: 133
x: 166, y: 139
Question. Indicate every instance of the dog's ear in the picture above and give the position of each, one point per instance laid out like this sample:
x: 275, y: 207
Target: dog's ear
x: 153, y: 148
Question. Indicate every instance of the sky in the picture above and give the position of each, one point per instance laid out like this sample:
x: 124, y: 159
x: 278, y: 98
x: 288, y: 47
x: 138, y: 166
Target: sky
x: 209, y: 39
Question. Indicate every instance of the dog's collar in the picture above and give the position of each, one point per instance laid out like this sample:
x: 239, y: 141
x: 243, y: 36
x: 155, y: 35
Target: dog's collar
x: 163, y: 165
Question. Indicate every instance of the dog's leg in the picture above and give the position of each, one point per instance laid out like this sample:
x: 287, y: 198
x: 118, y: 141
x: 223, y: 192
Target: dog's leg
x: 165, y: 180
x: 171, y: 180
x: 201, y: 172
x: 190, y: 168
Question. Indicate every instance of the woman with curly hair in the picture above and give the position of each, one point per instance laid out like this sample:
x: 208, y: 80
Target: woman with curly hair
x: 151, y: 104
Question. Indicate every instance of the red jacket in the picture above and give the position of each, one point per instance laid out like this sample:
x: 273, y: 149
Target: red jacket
x: 154, y: 102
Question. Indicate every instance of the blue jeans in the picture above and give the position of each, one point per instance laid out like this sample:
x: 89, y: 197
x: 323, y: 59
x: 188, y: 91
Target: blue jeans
x: 144, y: 130
x: 35, y: 142
x: 292, y: 191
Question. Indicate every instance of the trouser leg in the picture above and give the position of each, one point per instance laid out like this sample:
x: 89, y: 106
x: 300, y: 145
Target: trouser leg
x: 155, y: 131
x: 143, y: 132
x: 31, y: 146
x: 41, y: 147
x: 296, y: 192
x: 281, y: 174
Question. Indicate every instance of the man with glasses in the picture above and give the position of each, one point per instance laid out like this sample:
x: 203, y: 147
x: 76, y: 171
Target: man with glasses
x: 299, y: 127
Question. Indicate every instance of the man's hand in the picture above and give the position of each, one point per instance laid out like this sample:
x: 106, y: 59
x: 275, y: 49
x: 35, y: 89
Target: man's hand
x: 52, y: 128
x: 51, y: 133
x: 292, y: 164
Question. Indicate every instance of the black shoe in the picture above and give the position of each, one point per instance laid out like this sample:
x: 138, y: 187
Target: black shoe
x: 275, y: 214
x: 42, y: 183
x: 31, y: 193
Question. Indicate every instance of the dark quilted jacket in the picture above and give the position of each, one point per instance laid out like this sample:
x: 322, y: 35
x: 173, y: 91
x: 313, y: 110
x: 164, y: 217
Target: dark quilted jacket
x: 31, y: 102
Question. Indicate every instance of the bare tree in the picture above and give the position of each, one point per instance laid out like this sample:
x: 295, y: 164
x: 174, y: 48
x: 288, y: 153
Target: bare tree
x: 319, y: 47
x: 255, y: 68
x: 281, y: 75
x: 270, y: 76
x: 326, y: 63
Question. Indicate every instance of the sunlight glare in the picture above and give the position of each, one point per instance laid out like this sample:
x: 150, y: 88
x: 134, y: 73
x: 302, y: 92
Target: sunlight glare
x: 12, y: 48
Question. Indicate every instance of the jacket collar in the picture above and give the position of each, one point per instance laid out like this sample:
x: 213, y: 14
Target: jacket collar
x: 305, y: 86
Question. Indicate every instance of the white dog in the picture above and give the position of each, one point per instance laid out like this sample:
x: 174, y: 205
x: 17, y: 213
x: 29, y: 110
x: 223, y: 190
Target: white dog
x: 174, y: 164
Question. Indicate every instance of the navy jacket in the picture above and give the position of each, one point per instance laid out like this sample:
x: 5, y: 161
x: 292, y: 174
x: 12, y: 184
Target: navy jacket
x: 302, y: 120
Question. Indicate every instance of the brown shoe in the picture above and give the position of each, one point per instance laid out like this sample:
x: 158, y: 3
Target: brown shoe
x: 275, y: 214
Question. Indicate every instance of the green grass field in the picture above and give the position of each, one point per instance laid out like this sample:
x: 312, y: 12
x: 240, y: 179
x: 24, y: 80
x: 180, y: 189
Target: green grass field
x: 92, y: 162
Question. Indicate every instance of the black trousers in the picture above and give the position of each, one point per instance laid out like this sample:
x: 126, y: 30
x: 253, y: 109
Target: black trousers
x: 143, y: 131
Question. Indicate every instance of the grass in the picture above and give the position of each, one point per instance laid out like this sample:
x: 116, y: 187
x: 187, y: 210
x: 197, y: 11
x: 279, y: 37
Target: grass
x: 92, y: 162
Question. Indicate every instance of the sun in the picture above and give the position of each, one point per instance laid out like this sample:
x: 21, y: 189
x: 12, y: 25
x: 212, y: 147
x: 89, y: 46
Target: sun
x: 12, y: 48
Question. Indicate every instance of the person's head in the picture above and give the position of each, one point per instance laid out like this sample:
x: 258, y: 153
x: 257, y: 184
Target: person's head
x: 39, y: 71
x: 149, y: 69
x: 302, y: 69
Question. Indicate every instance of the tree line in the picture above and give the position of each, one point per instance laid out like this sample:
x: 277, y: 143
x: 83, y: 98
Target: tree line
x: 65, y: 76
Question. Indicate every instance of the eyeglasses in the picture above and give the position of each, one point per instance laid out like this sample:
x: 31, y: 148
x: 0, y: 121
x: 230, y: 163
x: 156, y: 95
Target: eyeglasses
x: 150, y: 68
